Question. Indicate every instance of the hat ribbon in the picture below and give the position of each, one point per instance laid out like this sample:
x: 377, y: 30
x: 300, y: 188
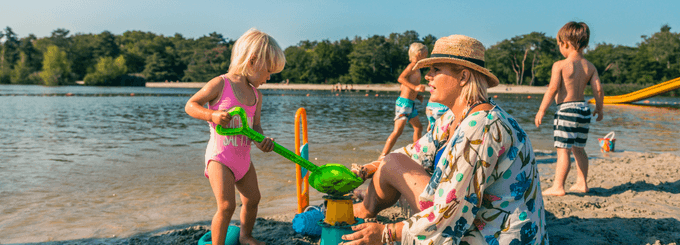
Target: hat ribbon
x: 473, y: 60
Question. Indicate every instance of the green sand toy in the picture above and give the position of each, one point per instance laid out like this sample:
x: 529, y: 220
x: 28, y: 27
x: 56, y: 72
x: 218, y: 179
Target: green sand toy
x: 333, y: 179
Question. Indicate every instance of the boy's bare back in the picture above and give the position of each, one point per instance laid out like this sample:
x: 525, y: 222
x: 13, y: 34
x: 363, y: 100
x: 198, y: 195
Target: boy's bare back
x: 575, y: 73
x: 413, y: 78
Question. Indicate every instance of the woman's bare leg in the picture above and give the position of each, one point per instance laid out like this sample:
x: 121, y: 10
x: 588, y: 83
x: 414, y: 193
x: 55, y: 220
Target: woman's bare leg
x: 397, y: 176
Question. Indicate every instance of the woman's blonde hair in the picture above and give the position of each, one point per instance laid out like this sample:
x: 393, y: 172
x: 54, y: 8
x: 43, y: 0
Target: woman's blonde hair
x: 257, y: 45
x: 475, y: 90
x: 416, y: 48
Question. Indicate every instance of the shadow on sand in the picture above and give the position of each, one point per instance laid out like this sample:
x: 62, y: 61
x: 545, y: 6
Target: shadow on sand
x: 574, y: 230
x: 640, y: 186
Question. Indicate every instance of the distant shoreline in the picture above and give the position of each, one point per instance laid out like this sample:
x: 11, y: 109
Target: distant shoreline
x: 500, y: 89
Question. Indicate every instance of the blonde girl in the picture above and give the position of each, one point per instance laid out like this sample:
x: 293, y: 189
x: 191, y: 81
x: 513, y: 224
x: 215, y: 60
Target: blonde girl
x: 255, y: 56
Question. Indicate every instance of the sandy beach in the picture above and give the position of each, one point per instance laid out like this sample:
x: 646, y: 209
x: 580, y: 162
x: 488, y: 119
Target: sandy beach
x: 501, y: 88
x: 634, y: 199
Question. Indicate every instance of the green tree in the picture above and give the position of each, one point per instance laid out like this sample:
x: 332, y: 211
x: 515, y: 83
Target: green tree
x: 208, y: 64
x: 4, y: 71
x: 60, y: 38
x: 524, y: 57
x: 297, y: 64
x: 664, y: 48
x: 500, y: 60
x: 369, y: 61
x: 429, y: 41
x: 23, y: 73
x: 82, y: 54
x: 159, y: 67
x: 10, y: 49
x: 56, y: 67
x: 612, y: 61
x: 105, y: 45
x: 107, y: 72
x: 33, y: 57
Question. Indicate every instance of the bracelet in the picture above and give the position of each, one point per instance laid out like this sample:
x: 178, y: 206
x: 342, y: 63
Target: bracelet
x: 394, y: 233
x: 385, y: 239
x: 389, y: 235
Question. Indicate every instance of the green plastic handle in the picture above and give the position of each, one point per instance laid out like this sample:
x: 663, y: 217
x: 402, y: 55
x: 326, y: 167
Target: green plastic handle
x: 257, y: 137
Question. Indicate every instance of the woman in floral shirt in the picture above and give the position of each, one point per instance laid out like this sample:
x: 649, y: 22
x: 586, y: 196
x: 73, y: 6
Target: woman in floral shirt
x: 473, y: 179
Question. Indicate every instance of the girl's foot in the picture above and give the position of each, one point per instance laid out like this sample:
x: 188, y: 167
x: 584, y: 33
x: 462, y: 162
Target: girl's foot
x: 552, y: 191
x: 249, y: 241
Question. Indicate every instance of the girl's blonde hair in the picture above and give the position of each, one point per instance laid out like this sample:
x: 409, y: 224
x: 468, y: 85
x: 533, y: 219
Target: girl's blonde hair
x: 476, y: 88
x: 416, y: 48
x: 259, y: 46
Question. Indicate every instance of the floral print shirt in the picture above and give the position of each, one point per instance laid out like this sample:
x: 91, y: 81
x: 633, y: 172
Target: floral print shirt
x: 484, y: 188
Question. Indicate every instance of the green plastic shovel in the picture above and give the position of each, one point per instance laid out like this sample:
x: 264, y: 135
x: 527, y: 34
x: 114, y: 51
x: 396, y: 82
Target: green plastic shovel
x: 333, y: 179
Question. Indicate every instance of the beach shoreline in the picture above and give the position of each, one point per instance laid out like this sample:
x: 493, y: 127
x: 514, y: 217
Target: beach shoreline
x: 634, y: 199
x: 500, y: 89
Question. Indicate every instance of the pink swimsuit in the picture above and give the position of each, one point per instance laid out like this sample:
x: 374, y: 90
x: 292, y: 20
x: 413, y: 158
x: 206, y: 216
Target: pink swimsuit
x: 232, y: 151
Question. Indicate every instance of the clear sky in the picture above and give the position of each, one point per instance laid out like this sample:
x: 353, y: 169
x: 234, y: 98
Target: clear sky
x: 291, y: 21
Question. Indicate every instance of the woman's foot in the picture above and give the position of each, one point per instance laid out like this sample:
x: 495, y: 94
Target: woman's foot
x: 553, y: 191
x: 249, y: 241
x: 359, y: 195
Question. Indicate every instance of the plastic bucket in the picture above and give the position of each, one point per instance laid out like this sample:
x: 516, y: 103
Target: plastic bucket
x: 608, y: 142
x: 331, y: 234
x: 230, y: 239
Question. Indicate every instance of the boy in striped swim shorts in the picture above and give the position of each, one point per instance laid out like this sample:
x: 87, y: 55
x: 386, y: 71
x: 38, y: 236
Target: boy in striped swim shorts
x: 572, y: 118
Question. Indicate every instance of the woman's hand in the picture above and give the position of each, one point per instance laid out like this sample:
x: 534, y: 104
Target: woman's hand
x: 366, y: 233
x: 221, y: 118
x: 266, y: 145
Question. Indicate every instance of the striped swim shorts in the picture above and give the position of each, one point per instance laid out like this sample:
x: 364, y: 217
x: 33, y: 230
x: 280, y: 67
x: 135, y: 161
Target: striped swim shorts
x: 404, y: 109
x: 571, y: 124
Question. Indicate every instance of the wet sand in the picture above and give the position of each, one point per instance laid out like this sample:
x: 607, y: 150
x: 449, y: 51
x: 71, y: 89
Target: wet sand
x: 501, y: 88
x: 634, y: 199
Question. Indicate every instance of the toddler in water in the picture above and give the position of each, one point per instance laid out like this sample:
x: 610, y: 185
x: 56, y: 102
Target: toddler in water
x: 567, y: 85
x: 254, y: 58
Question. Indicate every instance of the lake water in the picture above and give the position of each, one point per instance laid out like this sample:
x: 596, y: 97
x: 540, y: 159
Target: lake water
x: 103, y: 162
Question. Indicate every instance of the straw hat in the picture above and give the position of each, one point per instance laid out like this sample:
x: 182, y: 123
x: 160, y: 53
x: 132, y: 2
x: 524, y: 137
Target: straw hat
x: 460, y: 50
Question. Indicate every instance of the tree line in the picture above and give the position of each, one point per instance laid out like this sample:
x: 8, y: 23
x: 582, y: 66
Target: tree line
x: 134, y: 57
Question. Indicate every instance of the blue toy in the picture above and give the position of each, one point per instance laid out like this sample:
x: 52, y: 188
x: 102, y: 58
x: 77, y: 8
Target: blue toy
x: 307, y: 223
x: 230, y: 239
